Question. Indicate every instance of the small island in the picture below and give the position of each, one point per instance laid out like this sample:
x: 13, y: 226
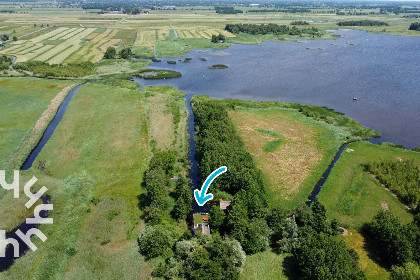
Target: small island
x: 218, y: 66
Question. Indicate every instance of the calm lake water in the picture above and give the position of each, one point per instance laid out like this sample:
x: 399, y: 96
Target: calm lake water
x: 381, y: 70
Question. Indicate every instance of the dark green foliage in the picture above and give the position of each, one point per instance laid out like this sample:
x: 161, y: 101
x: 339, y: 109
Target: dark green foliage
x: 203, y: 59
x: 156, y: 179
x: 43, y: 69
x: 153, y: 215
x: 126, y: 53
x: 110, y: 53
x: 204, y: 258
x: 271, y: 28
x: 4, y: 37
x: 319, y: 218
x: 275, y: 220
x: 320, y: 256
x: 218, y: 39
x: 5, y: 62
x: 362, y: 23
x: 217, y: 218
x: 410, y: 271
x: 183, y: 195
x: 227, y: 10
x: 155, y: 241
x: 403, y: 178
x: 154, y: 59
x: 299, y: 22
x: 415, y: 26
x: 390, y: 239
x: 218, y: 66
x: 171, y: 62
x: 14, y: 38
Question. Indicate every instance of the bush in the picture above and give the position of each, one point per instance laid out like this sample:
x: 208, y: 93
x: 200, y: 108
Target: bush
x: 126, y: 53
x: 155, y: 241
x: 415, y: 26
x: 110, y: 53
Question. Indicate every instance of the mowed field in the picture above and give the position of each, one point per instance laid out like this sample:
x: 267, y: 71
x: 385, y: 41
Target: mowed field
x: 95, y: 161
x: 290, y: 149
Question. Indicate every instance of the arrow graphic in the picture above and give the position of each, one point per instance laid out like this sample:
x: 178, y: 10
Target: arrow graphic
x: 200, y: 196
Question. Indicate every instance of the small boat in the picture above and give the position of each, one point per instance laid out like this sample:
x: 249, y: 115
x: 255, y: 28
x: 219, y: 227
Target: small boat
x: 354, y: 98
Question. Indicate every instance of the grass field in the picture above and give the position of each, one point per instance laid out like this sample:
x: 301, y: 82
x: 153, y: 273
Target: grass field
x: 292, y: 169
x: 352, y: 195
x: 26, y: 99
x: 267, y: 265
x: 96, y: 159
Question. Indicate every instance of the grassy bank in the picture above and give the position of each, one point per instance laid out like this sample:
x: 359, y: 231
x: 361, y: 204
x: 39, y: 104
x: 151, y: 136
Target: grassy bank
x: 24, y: 100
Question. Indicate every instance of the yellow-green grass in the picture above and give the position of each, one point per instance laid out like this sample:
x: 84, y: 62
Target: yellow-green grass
x: 127, y: 36
x: 95, y: 49
x: 118, y: 66
x: 352, y: 195
x: 23, y: 102
x: 165, y: 107
x: 96, y: 159
x: 372, y: 270
x: 268, y: 265
x: 294, y: 167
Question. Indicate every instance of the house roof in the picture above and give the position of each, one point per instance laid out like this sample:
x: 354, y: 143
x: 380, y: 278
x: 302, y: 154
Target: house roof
x: 203, y: 228
x: 224, y: 204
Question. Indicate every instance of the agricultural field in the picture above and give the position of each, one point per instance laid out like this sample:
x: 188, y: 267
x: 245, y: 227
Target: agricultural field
x: 302, y: 150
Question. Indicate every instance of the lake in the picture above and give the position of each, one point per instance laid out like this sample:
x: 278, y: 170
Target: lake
x: 381, y: 70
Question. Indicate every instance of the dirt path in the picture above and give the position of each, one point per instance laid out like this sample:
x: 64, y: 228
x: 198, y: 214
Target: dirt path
x: 29, y: 143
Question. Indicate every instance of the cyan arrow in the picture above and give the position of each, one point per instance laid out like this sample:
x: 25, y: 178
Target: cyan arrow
x: 200, y: 196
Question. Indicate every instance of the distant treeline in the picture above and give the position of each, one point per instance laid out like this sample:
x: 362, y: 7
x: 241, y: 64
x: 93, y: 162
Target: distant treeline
x: 403, y: 178
x: 415, y: 26
x: 227, y: 10
x: 288, y: 10
x: 299, y: 22
x: 362, y: 23
x: 270, y: 28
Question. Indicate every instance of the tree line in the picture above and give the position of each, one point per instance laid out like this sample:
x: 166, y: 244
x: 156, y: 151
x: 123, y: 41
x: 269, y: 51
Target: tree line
x: 403, y: 178
x: 271, y: 28
x: 227, y: 10
x: 364, y: 22
x: 43, y: 69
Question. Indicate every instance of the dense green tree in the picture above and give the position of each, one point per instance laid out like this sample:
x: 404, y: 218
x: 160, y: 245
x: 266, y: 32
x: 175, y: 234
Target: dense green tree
x: 275, y: 221
x: 110, y: 53
x: 155, y: 241
x: 324, y: 257
x: 126, y: 53
x: 415, y: 26
x: 14, y: 38
x: 183, y: 196
x: 218, y: 38
x: 4, y: 37
x: 410, y: 271
x: 289, y: 239
x: 217, y: 218
x: 390, y: 239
